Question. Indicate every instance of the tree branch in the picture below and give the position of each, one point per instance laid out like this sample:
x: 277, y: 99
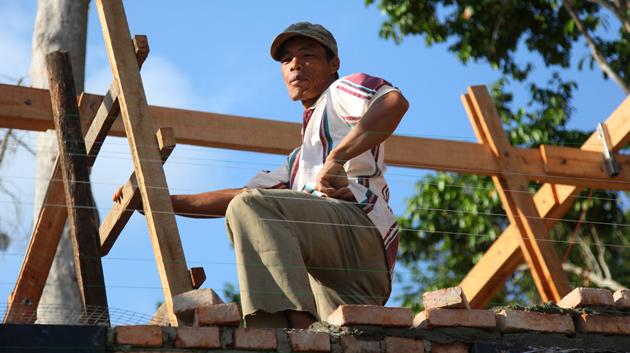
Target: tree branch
x: 4, y: 144
x: 617, y: 10
x: 599, y: 57
x: 601, y: 250
x: 595, y: 278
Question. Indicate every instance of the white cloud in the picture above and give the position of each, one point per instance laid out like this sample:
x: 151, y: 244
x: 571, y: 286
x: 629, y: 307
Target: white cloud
x: 165, y: 84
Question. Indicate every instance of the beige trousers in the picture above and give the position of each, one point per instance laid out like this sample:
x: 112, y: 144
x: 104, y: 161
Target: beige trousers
x: 296, y: 251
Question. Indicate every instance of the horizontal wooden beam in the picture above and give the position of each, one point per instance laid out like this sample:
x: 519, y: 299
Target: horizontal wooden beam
x: 29, y: 109
x: 121, y: 212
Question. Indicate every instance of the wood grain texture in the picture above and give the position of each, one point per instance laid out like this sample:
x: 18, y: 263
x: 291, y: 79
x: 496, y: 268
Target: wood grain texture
x: 76, y: 181
x: 136, y: 117
x: 121, y: 212
x: 538, y: 251
x: 270, y: 136
x: 552, y: 202
x: 53, y: 214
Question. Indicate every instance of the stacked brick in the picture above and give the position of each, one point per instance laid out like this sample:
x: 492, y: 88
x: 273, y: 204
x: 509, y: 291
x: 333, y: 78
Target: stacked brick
x: 447, y: 324
x: 606, y: 314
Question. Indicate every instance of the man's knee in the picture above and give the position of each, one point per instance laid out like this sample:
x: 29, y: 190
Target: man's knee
x: 244, y: 202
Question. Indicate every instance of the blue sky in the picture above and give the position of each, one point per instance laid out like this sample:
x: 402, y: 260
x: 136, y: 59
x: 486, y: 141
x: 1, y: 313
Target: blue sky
x: 214, y: 56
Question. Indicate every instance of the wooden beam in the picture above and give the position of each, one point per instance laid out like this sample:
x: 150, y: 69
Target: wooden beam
x: 109, y: 108
x: 269, y: 136
x: 76, y: 180
x: 197, y: 276
x: 140, y: 132
x: 121, y: 212
x: 52, y: 218
x: 538, y: 251
x: 552, y: 202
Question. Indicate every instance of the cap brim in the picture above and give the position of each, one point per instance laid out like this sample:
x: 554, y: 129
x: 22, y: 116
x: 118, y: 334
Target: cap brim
x: 279, y: 40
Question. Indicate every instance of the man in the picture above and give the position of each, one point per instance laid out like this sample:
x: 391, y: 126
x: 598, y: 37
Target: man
x: 316, y: 232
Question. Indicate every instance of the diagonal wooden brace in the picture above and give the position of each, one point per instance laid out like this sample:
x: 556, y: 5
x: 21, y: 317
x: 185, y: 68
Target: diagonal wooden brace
x: 52, y: 216
x: 519, y: 205
x: 552, y: 202
x: 136, y: 117
x: 121, y: 212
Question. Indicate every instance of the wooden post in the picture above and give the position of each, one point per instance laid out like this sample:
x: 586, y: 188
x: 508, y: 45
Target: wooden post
x: 519, y: 205
x: 136, y: 116
x: 51, y: 219
x: 74, y: 167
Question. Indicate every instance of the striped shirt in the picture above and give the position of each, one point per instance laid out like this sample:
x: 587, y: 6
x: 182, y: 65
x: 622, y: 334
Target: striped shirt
x: 324, y: 125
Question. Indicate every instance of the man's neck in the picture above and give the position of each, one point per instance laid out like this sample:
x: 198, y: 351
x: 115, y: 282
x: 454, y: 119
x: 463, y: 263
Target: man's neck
x: 309, y: 103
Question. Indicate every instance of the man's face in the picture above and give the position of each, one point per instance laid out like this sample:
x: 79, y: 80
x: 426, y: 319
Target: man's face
x: 305, y: 69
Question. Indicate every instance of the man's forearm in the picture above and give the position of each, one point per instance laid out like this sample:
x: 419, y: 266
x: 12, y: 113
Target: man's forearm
x: 375, y: 127
x: 210, y: 204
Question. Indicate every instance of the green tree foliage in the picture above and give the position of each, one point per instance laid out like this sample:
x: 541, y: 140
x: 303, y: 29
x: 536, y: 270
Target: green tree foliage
x: 453, y: 218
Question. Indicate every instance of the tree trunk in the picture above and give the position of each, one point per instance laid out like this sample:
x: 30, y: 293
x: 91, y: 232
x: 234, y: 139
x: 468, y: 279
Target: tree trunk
x: 59, y: 25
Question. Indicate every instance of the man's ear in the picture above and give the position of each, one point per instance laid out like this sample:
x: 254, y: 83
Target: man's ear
x: 335, y: 64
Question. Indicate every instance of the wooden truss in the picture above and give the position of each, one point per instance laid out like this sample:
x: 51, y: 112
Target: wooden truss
x: 562, y: 171
x: 146, y: 186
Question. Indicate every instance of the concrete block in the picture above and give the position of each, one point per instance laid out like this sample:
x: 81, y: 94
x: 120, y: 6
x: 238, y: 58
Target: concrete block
x: 198, y: 337
x: 403, y: 345
x: 374, y: 315
x: 255, y: 339
x: 351, y: 344
x: 438, y: 317
x: 309, y: 341
x: 453, y: 298
x: 139, y: 336
x: 218, y: 315
x: 583, y: 297
x: 622, y: 299
x: 519, y: 320
x: 611, y: 325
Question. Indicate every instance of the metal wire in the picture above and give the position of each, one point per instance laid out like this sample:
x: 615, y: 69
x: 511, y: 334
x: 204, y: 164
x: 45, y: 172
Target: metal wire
x: 89, y: 316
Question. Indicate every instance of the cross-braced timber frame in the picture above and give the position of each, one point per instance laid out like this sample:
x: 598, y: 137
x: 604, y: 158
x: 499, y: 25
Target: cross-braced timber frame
x: 562, y: 171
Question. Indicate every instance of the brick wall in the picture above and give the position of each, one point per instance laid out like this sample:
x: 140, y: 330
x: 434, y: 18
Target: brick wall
x: 586, y: 320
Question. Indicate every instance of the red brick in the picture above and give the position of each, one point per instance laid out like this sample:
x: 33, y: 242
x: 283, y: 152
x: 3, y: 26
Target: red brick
x: 403, y: 345
x: 198, y: 337
x: 622, y: 299
x: 140, y: 336
x: 456, y: 347
x: 218, y: 315
x: 518, y: 320
x: 374, y: 315
x: 350, y: 344
x: 614, y: 325
x: 255, y: 339
x: 583, y: 297
x: 185, y: 303
x: 439, y: 317
x: 309, y: 341
x: 452, y: 298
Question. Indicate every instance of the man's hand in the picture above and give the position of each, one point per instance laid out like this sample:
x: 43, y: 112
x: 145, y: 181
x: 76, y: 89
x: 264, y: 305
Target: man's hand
x: 117, y: 197
x: 332, y: 181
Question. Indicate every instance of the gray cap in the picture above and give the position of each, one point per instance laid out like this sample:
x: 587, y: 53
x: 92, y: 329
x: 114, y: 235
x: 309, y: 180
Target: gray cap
x: 306, y: 29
